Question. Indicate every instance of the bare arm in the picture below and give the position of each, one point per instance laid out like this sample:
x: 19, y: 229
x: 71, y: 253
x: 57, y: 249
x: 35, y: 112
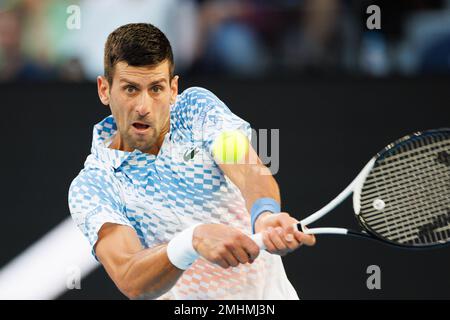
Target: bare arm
x: 148, y: 273
x: 255, y: 181
x: 137, y: 272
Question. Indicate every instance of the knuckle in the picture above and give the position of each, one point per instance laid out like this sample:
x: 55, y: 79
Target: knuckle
x: 240, y: 237
x: 237, y: 236
x: 228, y: 245
x: 223, y: 252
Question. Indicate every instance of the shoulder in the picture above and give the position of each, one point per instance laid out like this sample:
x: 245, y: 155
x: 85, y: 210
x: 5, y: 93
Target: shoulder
x: 195, y: 102
x: 92, y: 181
x: 198, y: 95
x: 94, y: 192
x: 197, y: 98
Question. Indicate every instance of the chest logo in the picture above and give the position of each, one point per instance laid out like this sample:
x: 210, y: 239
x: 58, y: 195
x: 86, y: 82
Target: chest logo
x: 190, y: 154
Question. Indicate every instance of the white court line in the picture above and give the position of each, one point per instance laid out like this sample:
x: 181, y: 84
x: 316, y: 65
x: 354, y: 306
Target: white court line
x: 42, y: 271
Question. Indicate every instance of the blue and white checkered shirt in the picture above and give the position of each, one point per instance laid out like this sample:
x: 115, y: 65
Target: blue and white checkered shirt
x: 159, y: 196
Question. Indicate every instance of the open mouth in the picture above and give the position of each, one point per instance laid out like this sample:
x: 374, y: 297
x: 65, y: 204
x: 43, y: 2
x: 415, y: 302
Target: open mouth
x: 140, y: 126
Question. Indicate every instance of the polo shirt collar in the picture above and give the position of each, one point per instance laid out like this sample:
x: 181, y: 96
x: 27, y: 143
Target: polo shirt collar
x: 102, y: 137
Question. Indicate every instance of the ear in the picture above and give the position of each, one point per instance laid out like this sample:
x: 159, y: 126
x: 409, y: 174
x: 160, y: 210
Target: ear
x: 173, y: 89
x: 103, y: 90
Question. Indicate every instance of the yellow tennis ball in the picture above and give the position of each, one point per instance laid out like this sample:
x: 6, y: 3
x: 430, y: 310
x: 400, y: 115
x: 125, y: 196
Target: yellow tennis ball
x: 230, y: 147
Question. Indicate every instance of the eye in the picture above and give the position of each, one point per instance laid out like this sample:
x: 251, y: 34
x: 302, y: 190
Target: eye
x: 156, y: 89
x: 130, y: 89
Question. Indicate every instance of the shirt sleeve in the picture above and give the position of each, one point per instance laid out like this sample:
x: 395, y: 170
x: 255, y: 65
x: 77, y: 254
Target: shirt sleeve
x: 213, y: 117
x: 94, y: 199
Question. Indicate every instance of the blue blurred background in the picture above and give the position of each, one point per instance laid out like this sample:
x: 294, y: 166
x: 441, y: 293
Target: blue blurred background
x: 245, y: 38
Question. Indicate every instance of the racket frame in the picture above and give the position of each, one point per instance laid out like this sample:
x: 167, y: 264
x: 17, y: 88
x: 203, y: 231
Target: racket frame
x: 355, y: 187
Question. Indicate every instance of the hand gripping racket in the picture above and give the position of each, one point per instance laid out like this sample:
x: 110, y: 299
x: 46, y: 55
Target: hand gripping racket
x: 402, y: 195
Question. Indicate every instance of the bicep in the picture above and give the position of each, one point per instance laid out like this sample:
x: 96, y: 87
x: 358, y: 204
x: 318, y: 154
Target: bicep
x: 245, y: 173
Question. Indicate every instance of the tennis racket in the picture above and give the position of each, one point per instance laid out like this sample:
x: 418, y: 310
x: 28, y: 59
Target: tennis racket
x: 401, y: 197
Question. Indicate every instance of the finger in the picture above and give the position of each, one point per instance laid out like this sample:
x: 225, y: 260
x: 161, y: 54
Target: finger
x: 287, y: 223
x: 270, y: 246
x: 221, y: 262
x: 240, y: 255
x: 292, y: 242
x: 289, y: 239
x: 298, y: 236
x: 276, y: 236
x: 230, y: 259
x: 251, y: 248
x: 308, y: 239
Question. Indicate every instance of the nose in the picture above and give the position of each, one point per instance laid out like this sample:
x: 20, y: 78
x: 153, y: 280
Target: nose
x: 145, y: 104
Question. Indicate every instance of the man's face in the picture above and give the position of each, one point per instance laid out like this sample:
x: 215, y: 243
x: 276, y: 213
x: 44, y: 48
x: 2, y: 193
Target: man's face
x: 140, y: 99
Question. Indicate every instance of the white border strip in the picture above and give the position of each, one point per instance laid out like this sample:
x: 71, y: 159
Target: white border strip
x: 43, y: 270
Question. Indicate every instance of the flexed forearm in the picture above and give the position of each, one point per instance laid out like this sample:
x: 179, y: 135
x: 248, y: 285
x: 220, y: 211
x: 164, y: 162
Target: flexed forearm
x: 149, y: 274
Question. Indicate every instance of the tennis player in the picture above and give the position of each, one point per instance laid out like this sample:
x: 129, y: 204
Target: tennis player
x: 163, y: 216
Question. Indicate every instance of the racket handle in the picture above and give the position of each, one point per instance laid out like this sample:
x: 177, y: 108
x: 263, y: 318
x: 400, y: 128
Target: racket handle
x: 258, y: 238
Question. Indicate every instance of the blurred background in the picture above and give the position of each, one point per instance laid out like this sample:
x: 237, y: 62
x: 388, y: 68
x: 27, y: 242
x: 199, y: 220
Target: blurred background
x: 243, y: 38
x: 337, y: 91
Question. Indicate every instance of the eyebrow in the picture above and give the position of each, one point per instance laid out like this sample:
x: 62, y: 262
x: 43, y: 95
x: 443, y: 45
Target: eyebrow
x: 137, y: 84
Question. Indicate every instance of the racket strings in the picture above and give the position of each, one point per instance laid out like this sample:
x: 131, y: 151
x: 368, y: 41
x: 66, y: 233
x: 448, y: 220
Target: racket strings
x: 415, y: 187
x: 418, y: 154
x: 402, y: 231
x: 405, y: 213
x: 390, y: 189
x: 401, y: 217
x: 398, y: 227
x: 398, y: 179
x: 402, y: 184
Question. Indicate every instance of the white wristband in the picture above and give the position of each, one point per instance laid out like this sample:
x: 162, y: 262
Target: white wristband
x: 180, y: 251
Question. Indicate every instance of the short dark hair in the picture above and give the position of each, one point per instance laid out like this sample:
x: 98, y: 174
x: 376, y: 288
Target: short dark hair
x: 138, y: 44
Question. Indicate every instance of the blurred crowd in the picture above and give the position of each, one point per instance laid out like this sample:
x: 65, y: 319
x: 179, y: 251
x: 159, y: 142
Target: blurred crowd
x: 53, y: 40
